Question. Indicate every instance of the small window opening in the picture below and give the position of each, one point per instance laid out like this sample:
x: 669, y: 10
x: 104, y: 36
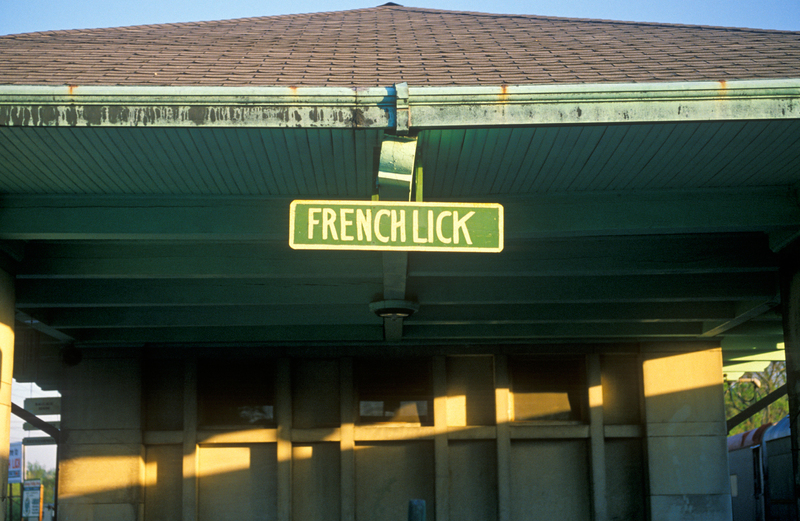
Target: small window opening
x: 236, y: 393
x: 394, y: 391
x: 548, y: 389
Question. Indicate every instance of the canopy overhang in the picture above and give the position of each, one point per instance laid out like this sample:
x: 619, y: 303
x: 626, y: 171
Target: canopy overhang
x: 634, y: 212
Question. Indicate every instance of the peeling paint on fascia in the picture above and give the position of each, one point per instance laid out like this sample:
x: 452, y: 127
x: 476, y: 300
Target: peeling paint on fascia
x: 195, y: 115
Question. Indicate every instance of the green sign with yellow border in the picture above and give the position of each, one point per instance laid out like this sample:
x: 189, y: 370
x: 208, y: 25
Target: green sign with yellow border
x: 395, y: 226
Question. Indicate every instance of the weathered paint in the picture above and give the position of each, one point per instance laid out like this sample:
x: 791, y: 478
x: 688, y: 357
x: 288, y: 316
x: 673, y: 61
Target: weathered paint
x: 193, y: 115
x: 604, y: 103
x: 281, y: 107
x: 401, y: 107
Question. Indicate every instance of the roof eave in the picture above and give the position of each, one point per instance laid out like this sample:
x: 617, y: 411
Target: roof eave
x: 403, y: 107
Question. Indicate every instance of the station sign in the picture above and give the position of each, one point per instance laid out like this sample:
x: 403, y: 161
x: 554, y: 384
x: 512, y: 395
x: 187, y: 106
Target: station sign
x: 38, y: 440
x: 42, y: 406
x: 395, y: 226
x: 28, y: 427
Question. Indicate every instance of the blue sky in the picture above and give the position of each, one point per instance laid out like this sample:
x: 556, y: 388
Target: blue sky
x: 18, y: 16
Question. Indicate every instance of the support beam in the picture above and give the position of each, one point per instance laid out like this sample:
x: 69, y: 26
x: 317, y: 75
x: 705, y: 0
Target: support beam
x: 37, y: 422
x: 756, y: 407
x: 590, y: 214
x: 429, y: 290
x: 744, y: 312
x: 395, y: 183
x: 65, y: 319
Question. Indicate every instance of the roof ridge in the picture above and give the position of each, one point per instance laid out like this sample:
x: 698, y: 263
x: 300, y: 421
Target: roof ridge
x: 582, y: 19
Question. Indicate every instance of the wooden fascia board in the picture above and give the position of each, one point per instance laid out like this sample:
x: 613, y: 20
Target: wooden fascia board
x: 604, y: 103
x: 377, y: 107
x: 158, y: 106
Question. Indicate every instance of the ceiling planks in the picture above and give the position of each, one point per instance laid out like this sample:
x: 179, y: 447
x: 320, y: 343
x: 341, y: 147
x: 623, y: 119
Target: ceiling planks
x: 613, y: 232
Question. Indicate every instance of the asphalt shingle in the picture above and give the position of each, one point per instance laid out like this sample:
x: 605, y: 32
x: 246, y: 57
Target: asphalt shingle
x: 384, y: 45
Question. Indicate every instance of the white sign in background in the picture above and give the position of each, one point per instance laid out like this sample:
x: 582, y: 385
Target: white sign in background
x: 31, y: 498
x: 16, y: 462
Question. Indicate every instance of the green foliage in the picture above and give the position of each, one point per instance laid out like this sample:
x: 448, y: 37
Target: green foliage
x: 15, y: 504
x: 48, y: 477
x: 752, y: 387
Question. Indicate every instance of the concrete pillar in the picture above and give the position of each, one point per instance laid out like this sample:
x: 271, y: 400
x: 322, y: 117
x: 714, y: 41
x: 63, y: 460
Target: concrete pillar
x: 790, y: 300
x: 7, y: 304
x: 102, y: 472
x: 685, y: 433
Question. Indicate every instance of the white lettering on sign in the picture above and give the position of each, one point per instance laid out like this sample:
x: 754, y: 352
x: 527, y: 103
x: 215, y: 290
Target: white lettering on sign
x: 461, y: 224
x: 450, y: 228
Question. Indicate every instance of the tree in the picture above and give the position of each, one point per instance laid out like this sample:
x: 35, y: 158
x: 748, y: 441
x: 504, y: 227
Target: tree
x: 48, y: 477
x: 752, y: 387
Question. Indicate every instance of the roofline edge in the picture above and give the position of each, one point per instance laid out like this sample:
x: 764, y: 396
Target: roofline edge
x: 377, y: 107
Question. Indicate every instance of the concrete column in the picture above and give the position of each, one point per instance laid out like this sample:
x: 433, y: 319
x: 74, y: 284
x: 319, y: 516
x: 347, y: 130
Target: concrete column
x: 348, y: 440
x: 102, y: 475
x: 441, y: 445
x: 502, y: 391
x: 790, y: 299
x: 7, y: 304
x: 190, y: 459
x: 597, y: 439
x: 686, y: 434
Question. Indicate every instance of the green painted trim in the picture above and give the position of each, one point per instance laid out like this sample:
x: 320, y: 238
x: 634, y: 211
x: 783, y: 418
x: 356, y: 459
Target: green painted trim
x: 377, y: 107
x: 604, y: 103
x: 268, y: 107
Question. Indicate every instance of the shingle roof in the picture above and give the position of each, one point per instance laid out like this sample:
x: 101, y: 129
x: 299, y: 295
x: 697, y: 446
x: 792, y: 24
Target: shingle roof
x: 384, y: 45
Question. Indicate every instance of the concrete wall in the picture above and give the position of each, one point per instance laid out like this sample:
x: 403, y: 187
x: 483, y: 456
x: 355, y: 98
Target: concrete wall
x: 102, y: 471
x: 642, y: 437
x: 686, y: 434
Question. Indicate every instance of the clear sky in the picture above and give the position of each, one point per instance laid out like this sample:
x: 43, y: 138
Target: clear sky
x: 18, y: 16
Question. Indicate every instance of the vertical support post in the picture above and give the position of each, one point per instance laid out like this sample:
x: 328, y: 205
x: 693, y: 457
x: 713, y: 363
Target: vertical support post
x: 685, y: 424
x: 396, y: 183
x: 790, y: 300
x: 190, y: 455
x: 395, y: 270
x: 283, y: 413
x: 441, y: 448
x: 418, y: 181
x: 347, y: 443
x: 597, y: 438
x: 503, y: 417
x: 7, y: 306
